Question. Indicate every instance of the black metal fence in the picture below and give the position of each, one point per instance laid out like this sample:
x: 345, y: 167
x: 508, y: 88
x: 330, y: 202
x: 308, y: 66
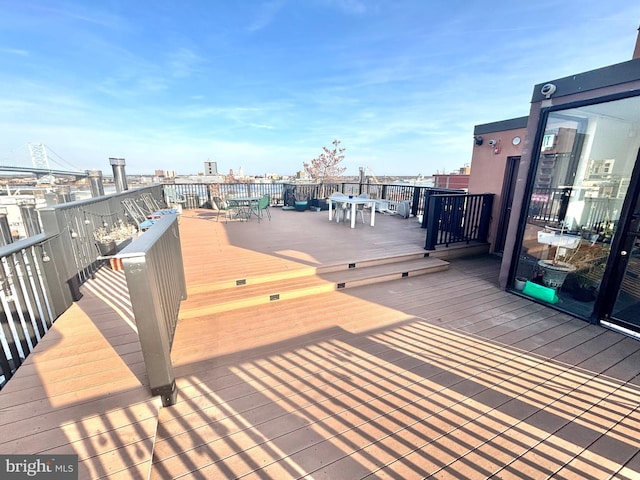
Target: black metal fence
x: 203, y: 195
x: 548, y: 205
x: 458, y: 218
x: 552, y: 205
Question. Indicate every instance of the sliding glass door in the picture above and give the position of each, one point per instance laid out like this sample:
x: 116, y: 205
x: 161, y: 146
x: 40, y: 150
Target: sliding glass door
x: 624, y: 311
x: 586, y: 158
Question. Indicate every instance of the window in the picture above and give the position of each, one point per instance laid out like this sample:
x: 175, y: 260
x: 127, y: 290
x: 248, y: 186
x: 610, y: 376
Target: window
x: 582, y: 174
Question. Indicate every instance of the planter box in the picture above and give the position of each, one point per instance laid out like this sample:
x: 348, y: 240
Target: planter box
x: 112, y: 247
x: 107, y: 248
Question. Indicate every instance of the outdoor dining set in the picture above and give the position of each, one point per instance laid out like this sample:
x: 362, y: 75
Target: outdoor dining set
x: 347, y: 207
x: 243, y: 208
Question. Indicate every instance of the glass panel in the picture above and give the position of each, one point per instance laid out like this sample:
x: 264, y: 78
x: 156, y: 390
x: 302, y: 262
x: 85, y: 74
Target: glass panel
x: 627, y: 306
x: 582, y: 175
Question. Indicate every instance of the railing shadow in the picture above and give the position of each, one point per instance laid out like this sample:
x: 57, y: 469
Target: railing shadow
x: 84, y: 390
x: 404, y: 400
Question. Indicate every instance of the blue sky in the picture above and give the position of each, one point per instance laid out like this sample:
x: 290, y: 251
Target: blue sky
x: 264, y: 85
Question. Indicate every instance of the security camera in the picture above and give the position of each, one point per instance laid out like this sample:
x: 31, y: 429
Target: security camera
x: 548, y: 89
x: 478, y: 140
x: 492, y: 142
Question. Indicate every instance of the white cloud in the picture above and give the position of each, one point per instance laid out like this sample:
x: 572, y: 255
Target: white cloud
x: 183, y: 62
x: 265, y: 14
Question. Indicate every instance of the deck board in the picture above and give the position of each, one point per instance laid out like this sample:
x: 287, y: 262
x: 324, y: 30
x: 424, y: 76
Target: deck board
x: 83, y: 390
x: 443, y: 375
x: 440, y: 376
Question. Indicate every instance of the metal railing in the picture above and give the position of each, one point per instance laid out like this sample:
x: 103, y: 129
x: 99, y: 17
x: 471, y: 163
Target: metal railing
x: 548, y: 205
x: 458, y: 218
x: 40, y: 276
x: 155, y: 278
x: 202, y: 195
x: 594, y: 214
x: 76, y: 222
x: 32, y: 297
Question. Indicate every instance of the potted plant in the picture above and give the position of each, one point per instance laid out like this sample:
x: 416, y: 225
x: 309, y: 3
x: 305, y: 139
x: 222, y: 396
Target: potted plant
x: 583, y: 289
x: 555, y: 270
x: 519, y: 283
x: 112, y: 240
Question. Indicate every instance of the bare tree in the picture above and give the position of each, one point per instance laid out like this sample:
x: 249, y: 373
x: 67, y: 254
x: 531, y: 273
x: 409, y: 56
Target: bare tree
x: 326, y: 166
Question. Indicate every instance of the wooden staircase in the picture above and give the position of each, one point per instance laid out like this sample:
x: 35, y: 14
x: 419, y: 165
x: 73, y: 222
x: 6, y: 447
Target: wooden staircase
x: 246, y: 292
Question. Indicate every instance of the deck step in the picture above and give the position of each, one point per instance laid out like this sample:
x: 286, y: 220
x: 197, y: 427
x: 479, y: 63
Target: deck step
x: 303, y: 272
x: 316, y: 281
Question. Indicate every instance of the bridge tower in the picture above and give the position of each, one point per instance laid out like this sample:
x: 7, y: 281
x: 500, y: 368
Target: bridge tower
x: 39, y: 158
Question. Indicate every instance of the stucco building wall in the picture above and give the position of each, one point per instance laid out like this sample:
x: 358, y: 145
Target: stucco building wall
x: 493, y: 145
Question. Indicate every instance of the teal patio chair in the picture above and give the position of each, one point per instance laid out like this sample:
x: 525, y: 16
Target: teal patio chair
x: 263, y: 206
x: 222, y: 206
x: 235, y: 209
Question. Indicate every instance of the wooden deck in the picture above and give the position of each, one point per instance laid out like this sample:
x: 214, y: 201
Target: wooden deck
x: 435, y: 376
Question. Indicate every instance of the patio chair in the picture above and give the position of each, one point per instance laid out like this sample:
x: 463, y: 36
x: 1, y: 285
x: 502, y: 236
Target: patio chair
x: 339, y: 208
x: 152, y: 206
x: 263, y: 205
x: 235, y: 209
x: 173, y: 198
x: 136, y: 214
x: 220, y: 205
x: 346, y: 209
x: 360, y: 208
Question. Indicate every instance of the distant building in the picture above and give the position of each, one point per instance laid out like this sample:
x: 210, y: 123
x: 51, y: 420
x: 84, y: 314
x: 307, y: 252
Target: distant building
x: 458, y: 180
x: 211, y: 168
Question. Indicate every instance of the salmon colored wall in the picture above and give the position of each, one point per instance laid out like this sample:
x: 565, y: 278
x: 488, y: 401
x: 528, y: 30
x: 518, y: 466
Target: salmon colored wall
x: 488, y: 165
x: 452, y: 180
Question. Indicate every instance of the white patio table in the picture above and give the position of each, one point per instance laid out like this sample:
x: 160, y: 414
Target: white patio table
x: 353, y: 202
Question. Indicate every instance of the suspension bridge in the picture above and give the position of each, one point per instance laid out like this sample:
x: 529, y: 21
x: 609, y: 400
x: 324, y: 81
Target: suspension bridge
x: 40, y: 160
